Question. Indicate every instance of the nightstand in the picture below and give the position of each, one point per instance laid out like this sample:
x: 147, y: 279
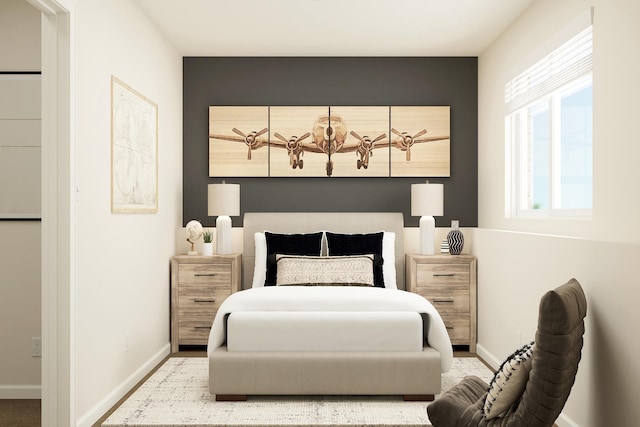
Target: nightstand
x: 449, y: 283
x: 199, y: 284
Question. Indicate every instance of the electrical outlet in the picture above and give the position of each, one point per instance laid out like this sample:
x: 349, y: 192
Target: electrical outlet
x: 127, y: 343
x: 36, y: 347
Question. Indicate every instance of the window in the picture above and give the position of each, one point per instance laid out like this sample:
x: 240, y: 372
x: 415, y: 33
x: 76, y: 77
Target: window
x: 548, y: 130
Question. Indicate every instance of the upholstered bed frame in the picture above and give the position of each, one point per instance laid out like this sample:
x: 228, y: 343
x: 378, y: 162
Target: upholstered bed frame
x: 339, y: 222
x: 234, y: 375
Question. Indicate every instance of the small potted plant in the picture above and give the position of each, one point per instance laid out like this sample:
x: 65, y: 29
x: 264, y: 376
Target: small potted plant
x: 207, y: 246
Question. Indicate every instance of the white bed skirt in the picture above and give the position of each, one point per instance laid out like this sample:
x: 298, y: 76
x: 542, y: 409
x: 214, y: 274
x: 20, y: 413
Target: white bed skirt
x: 348, y: 331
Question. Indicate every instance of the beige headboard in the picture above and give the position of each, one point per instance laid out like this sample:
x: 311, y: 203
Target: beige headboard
x: 340, y: 222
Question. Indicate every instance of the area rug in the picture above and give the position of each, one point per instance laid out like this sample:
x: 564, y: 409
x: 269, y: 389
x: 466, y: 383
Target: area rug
x: 177, y: 394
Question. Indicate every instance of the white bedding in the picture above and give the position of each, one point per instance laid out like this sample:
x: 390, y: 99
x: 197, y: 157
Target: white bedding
x: 344, y: 331
x: 334, y: 298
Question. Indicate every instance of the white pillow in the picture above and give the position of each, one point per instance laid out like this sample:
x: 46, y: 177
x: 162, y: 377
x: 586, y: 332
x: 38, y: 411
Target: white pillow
x: 355, y: 270
x: 509, y: 382
x: 260, y: 262
x: 389, y: 257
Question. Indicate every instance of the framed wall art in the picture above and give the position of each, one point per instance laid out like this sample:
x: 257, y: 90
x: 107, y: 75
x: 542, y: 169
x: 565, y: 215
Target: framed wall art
x: 134, y: 150
x: 295, y: 148
x: 362, y: 148
x: 420, y: 141
x: 340, y: 141
x: 238, y: 141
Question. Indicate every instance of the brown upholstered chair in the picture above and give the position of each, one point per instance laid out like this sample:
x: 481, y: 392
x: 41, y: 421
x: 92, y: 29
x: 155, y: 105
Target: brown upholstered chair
x: 557, y: 351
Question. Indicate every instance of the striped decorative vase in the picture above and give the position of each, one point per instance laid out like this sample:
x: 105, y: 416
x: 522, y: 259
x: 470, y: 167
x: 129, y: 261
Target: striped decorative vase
x: 455, y: 238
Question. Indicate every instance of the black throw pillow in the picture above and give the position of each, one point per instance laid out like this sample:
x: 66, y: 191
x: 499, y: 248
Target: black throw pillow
x: 289, y: 244
x: 359, y: 244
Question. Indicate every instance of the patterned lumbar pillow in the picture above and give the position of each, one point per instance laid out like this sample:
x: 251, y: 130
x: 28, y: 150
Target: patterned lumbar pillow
x: 509, y: 382
x: 338, y: 270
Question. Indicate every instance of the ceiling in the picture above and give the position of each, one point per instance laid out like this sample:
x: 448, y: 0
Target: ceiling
x: 332, y: 27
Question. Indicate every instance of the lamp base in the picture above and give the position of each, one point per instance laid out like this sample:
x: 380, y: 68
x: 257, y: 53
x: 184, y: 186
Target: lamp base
x: 223, y: 235
x: 427, y: 235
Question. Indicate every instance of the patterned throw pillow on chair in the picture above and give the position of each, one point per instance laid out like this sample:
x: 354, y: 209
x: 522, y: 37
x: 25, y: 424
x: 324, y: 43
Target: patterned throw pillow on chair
x: 509, y: 382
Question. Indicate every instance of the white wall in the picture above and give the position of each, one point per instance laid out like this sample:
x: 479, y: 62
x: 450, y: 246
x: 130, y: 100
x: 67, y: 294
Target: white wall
x: 519, y: 260
x: 122, y: 259
x: 19, y: 240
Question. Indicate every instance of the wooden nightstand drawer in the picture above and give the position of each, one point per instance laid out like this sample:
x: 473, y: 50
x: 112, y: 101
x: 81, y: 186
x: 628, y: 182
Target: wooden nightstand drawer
x: 194, y: 331
x: 458, y: 328
x: 199, y: 286
x: 447, y: 300
x: 446, y: 275
x: 204, y: 274
x: 206, y: 299
x: 449, y: 283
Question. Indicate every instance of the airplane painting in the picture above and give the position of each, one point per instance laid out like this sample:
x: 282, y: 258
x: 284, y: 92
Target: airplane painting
x: 309, y: 141
x: 420, y: 141
x: 238, y: 141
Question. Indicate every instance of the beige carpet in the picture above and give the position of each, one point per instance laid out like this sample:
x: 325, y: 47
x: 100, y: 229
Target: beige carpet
x: 177, y: 394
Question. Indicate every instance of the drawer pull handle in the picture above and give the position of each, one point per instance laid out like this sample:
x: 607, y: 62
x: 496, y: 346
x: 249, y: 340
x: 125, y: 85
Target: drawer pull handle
x: 204, y: 300
x: 443, y: 300
x: 443, y: 275
x: 205, y: 274
x: 201, y: 327
x: 449, y: 327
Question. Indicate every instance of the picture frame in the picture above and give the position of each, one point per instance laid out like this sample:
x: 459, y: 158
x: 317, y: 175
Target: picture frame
x: 420, y: 141
x: 134, y: 150
x: 329, y: 141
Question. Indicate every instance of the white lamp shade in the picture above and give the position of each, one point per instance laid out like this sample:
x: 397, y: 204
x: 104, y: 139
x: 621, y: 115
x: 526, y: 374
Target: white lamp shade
x: 427, y: 199
x: 224, y: 199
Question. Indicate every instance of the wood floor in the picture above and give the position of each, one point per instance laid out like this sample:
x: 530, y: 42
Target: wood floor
x: 19, y: 412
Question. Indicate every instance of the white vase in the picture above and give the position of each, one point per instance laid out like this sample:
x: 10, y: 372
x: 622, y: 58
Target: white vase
x: 207, y: 249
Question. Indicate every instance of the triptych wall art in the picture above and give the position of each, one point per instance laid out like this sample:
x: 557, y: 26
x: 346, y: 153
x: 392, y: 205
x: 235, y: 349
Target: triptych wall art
x: 339, y: 141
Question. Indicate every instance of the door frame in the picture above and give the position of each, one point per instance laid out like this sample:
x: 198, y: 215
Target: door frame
x: 58, y: 212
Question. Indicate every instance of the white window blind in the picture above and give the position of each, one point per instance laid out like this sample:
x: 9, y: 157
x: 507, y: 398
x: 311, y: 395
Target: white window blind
x: 568, y: 62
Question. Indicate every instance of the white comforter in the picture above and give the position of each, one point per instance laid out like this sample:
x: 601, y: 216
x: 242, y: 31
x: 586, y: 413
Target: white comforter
x: 334, y: 298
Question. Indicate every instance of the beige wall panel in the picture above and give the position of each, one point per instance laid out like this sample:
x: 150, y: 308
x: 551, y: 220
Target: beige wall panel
x: 19, y: 302
x: 19, y: 240
x: 368, y: 123
x: 19, y: 36
x: 427, y: 154
x: 20, y: 181
x: 20, y: 133
x: 291, y: 122
x: 228, y: 149
x: 19, y: 96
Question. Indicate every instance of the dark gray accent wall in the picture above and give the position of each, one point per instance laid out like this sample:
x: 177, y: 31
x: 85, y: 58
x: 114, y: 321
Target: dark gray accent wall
x: 272, y: 81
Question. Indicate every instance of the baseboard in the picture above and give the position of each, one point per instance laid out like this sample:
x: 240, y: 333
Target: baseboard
x: 494, y: 362
x: 88, y: 419
x: 20, y: 391
x: 564, y: 421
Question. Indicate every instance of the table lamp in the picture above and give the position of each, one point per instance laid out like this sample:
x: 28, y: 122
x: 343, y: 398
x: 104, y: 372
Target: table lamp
x: 224, y: 202
x: 427, y: 201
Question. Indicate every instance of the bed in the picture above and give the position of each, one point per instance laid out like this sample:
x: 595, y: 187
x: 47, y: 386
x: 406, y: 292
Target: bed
x: 333, y: 339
